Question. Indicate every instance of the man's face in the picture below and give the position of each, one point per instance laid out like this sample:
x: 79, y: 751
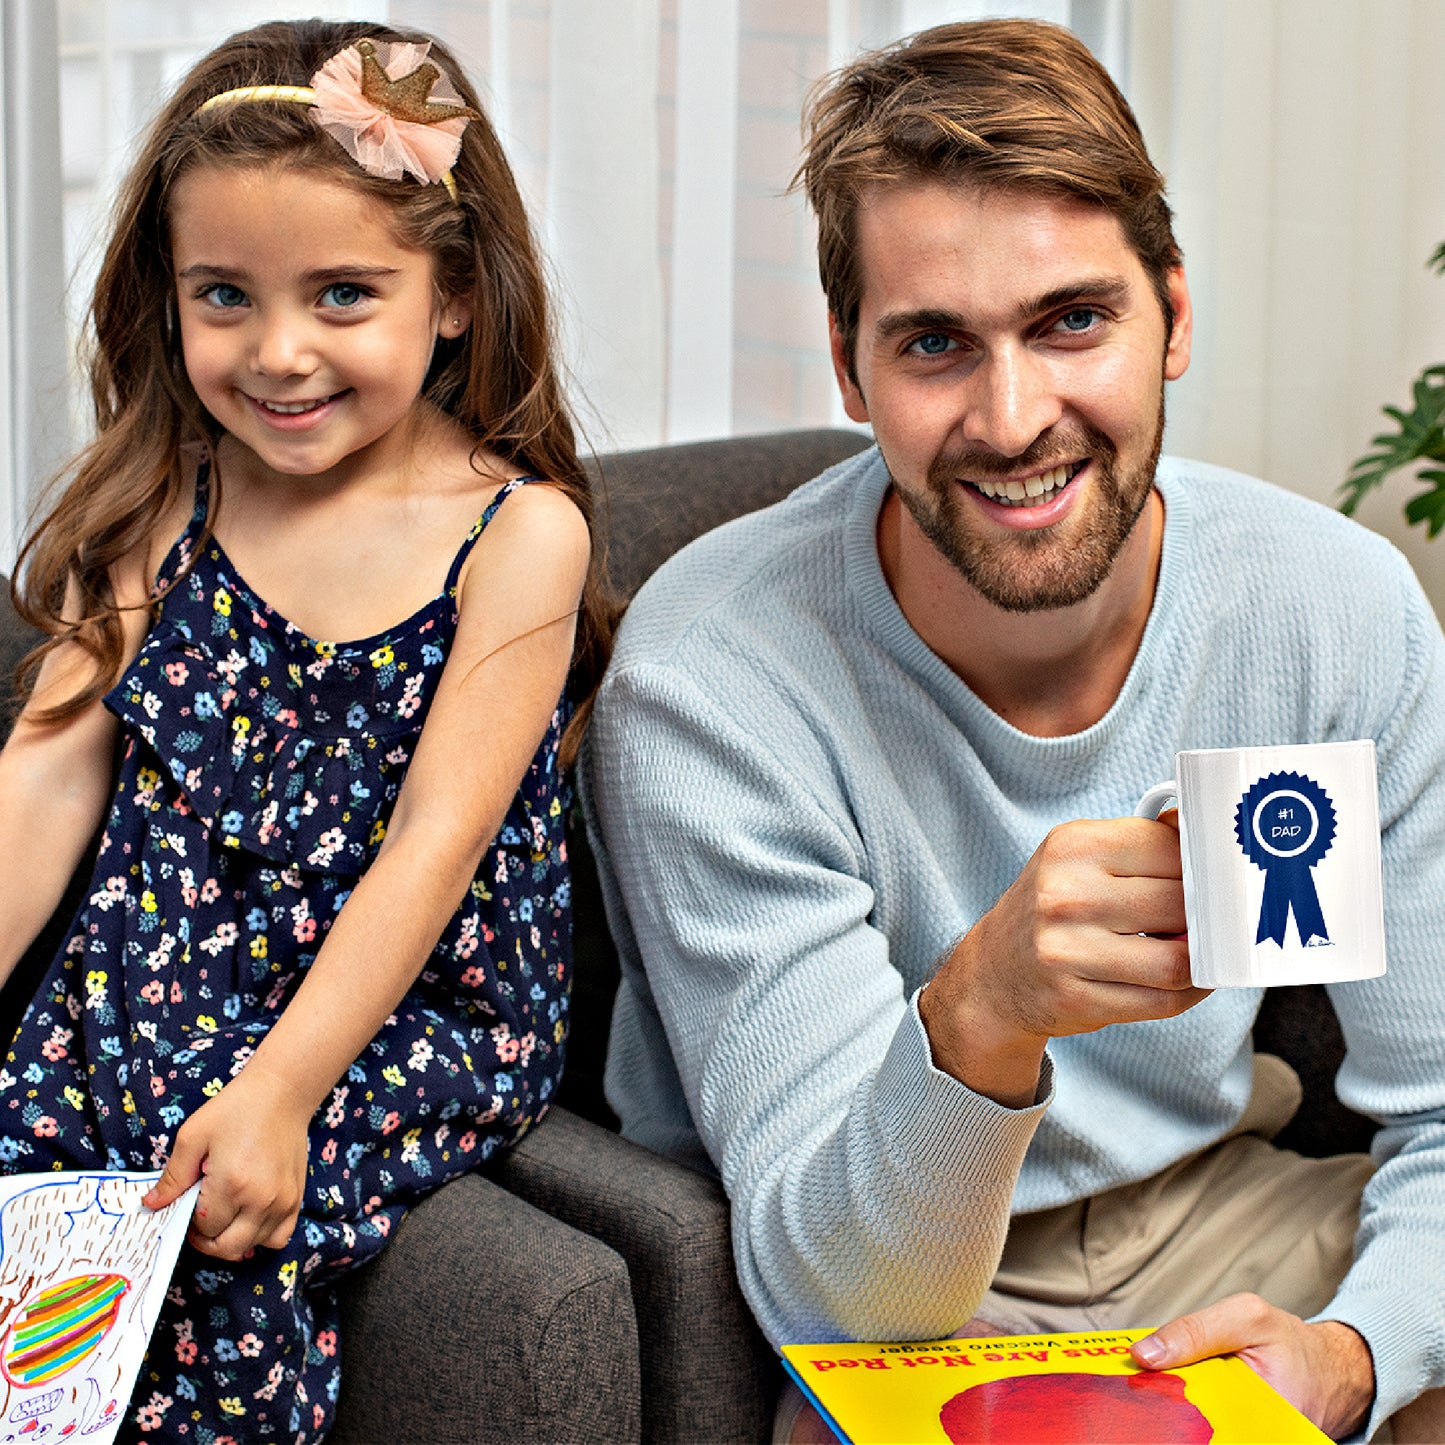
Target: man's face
x: 1011, y: 356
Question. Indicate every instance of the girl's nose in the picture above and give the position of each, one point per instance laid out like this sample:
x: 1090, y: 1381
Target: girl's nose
x: 1011, y: 401
x: 282, y: 347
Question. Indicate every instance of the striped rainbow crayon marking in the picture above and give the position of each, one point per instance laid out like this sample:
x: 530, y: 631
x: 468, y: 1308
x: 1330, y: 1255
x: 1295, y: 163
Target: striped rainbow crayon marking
x: 60, y: 1326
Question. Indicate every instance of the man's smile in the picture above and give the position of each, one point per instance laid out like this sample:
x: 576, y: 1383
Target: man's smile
x: 1032, y: 491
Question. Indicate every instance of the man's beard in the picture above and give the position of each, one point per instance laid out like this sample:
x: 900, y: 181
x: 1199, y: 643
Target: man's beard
x: 1036, y: 571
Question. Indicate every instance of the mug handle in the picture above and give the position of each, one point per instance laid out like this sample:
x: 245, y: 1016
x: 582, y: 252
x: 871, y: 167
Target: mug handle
x: 1152, y: 803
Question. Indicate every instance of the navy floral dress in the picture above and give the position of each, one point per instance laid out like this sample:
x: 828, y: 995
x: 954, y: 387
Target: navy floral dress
x: 259, y: 770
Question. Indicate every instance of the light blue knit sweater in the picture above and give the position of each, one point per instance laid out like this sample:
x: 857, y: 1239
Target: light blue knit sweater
x: 797, y: 809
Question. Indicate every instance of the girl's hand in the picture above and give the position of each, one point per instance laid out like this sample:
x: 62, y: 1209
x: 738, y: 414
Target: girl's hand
x: 248, y: 1147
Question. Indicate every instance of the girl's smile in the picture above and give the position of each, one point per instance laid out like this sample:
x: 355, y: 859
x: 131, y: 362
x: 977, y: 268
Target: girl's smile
x: 306, y: 327
x: 293, y: 408
x: 294, y: 415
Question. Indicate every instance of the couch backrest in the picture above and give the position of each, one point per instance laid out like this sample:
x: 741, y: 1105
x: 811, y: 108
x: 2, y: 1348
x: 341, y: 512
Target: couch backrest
x: 656, y: 501
x: 15, y: 641
x: 652, y: 502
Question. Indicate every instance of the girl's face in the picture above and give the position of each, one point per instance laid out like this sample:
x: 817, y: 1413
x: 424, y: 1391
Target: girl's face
x: 306, y: 327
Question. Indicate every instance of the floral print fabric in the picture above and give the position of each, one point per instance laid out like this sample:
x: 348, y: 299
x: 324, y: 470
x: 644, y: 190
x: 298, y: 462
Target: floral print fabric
x: 259, y: 770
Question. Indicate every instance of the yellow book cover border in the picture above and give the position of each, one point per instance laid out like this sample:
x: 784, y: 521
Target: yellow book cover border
x: 896, y: 1394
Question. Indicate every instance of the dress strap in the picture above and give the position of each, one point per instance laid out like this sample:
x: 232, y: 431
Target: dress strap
x: 203, y: 490
x: 480, y: 526
x: 180, y: 553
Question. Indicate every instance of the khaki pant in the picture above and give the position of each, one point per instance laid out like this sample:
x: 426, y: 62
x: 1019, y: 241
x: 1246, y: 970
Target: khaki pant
x: 1242, y: 1215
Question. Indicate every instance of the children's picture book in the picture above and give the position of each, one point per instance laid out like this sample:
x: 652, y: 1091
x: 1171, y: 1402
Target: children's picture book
x: 84, y: 1268
x: 1048, y: 1389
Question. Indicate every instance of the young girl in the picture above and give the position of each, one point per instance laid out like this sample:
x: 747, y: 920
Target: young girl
x: 321, y: 965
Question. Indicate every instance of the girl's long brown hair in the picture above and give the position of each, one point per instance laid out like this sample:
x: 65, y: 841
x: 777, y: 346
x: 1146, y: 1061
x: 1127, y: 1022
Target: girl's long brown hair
x: 497, y: 380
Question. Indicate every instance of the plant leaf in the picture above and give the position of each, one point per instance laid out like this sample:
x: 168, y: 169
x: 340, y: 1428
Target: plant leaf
x: 1420, y: 436
x: 1428, y: 507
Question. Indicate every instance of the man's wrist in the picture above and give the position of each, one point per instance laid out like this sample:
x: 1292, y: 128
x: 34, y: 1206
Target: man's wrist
x: 1350, y: 1368
x: 974, y: 1052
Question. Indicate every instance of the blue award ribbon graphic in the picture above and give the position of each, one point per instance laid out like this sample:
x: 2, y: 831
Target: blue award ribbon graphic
x: 1286, y: 823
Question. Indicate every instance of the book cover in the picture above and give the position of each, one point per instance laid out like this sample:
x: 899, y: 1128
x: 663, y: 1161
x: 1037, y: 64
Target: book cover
x: 1048, y: 1389
x: 84, y: 1267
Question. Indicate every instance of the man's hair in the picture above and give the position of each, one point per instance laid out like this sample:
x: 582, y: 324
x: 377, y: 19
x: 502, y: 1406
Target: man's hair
x: 996, y: 103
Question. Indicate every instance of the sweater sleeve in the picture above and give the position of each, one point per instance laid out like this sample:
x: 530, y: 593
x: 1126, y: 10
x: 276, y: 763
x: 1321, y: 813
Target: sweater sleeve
x: 1394, y: 1030
x: 870, y: 1192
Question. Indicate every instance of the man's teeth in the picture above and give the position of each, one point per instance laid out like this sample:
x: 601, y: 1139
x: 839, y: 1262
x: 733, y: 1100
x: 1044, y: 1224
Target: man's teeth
x: 1032, y: 491
x: 294, y: 408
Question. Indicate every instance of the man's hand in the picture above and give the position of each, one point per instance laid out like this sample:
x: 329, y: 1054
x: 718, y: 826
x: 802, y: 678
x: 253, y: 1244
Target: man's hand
x: 248, y: 1147
x: 1324, y: 1370
x: 1091, y: 933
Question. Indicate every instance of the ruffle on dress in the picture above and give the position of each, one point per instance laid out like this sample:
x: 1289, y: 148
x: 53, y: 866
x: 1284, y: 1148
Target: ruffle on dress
x: 315, y: 796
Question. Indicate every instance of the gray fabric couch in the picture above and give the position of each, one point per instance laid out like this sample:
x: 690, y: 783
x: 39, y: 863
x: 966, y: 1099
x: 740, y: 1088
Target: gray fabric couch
x: 582, y: 1289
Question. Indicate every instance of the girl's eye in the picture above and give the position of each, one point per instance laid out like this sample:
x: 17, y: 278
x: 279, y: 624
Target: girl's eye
x: 932, y: 343
x: 1081, y: 318
x: 224, y: 297
x: 342, y: 294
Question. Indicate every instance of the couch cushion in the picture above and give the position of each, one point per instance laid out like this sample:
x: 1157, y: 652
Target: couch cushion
x: 654, y: 502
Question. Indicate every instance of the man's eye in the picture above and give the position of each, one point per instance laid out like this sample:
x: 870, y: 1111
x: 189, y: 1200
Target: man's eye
x: 932, y: 343
x: 342, y: 294
x: 224, y: 297
x: 1081, y: 318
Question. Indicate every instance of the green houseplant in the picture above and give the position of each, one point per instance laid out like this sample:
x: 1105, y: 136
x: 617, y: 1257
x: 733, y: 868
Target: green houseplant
x: 1419, y: 437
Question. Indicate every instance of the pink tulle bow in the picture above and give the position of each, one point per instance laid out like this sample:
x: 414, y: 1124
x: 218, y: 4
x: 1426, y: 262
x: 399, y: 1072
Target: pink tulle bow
x: 381, y: 143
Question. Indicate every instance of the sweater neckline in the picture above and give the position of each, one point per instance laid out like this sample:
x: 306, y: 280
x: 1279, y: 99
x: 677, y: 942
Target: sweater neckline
x: 883, y: 616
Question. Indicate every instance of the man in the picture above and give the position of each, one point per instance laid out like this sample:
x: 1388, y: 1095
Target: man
x: 884, y: 970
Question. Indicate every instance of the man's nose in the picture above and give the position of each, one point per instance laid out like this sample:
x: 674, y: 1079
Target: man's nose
x: 1011, y: 401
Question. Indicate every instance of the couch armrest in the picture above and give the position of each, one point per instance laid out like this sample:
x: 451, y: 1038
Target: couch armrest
x: 707, y: 1372
x: 486, y: 1320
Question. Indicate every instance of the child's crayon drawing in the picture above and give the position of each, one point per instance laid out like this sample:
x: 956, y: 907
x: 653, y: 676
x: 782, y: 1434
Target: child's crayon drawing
x: 84, y: 1268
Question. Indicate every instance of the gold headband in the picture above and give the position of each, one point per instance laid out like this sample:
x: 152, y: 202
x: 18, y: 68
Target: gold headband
x: 411, y: 125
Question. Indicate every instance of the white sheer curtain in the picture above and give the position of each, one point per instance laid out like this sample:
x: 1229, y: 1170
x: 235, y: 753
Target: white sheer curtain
x: 601, y: 210
x: 655, y: 139
x: 34, y: 416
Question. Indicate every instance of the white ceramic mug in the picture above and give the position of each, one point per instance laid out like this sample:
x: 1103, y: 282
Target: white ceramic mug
x: 1281, y: 851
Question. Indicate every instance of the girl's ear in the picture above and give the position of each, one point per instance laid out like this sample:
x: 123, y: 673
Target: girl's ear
x: 456, y: 316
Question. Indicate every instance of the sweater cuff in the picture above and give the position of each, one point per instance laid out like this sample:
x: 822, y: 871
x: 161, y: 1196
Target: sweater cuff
x: 1393, y: 1332
x: 949, y: 1130
x: 1043, y: 1094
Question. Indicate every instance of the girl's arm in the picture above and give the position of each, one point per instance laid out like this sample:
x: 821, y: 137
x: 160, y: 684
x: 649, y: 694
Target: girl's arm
x: 56, y: 778
x: 494, y: 701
